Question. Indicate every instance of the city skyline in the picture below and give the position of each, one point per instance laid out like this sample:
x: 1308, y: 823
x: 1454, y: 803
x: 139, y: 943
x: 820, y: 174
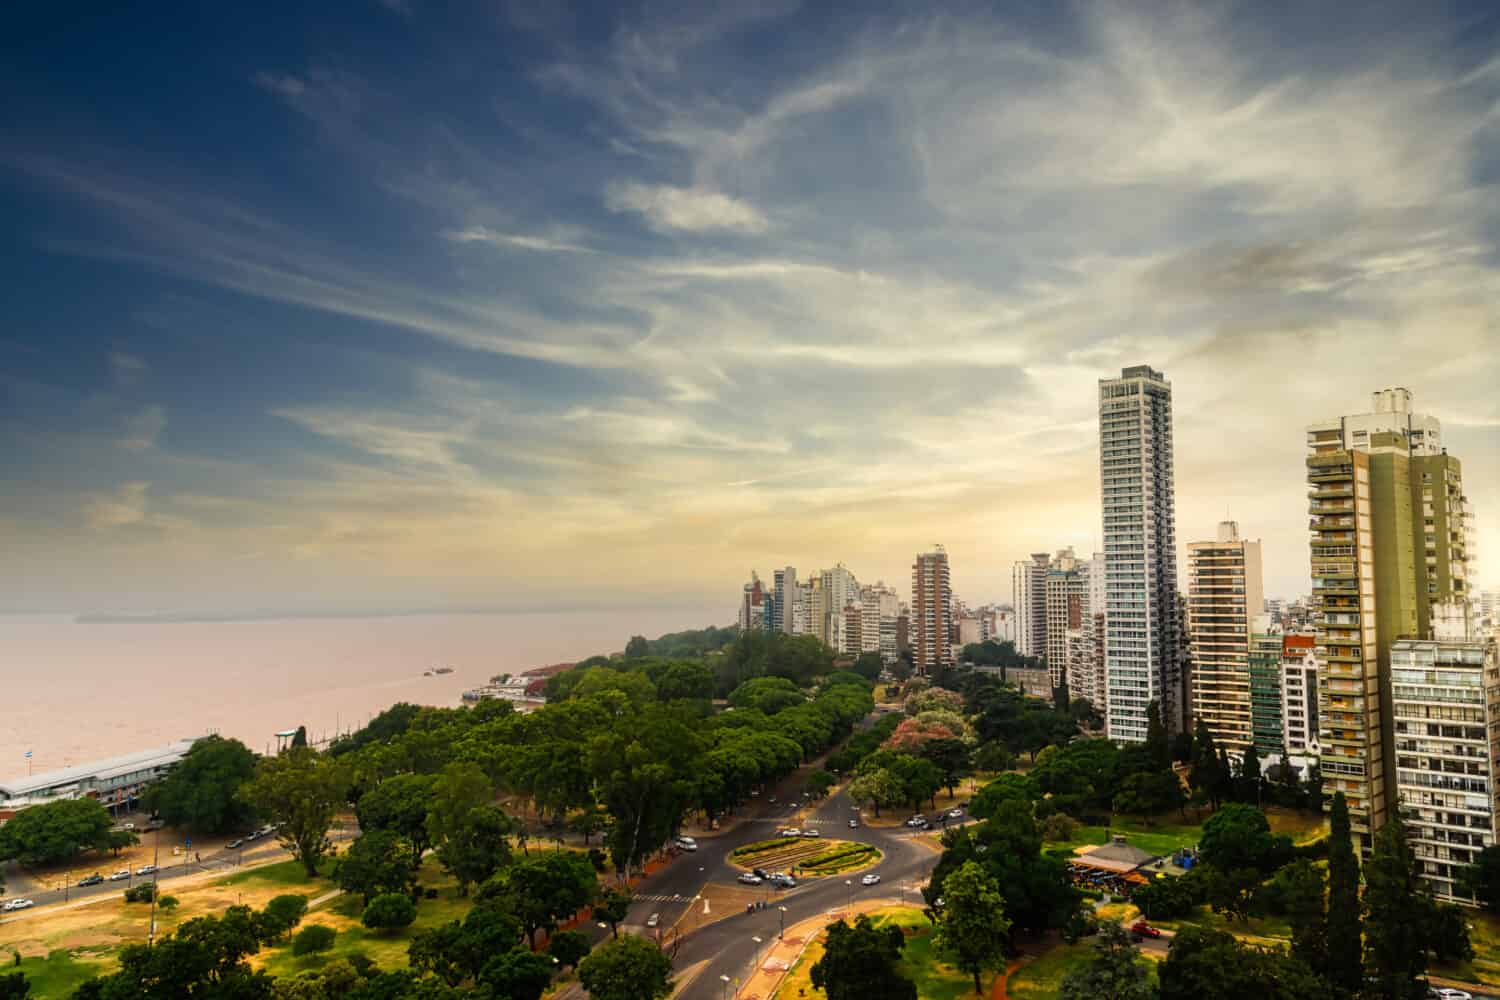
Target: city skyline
x: 405, y: 310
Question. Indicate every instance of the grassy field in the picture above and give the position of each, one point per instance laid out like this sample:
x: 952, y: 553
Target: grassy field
x: 1169, y: 832
x: 935, y: 979
x: 386, y: 949
x: 1041, y: 978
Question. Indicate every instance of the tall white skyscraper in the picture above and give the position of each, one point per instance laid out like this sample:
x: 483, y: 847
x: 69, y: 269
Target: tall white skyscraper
x: 788, y: 593
x: 1029, y: 594
x: 1142, y: 644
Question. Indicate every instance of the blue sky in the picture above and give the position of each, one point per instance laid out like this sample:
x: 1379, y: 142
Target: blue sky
x: 407, y: 305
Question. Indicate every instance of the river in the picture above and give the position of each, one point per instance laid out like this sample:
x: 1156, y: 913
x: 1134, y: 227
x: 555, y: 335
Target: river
x: 71, y: 693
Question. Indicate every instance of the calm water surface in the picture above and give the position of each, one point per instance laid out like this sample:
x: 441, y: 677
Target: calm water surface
x: 71, y: 692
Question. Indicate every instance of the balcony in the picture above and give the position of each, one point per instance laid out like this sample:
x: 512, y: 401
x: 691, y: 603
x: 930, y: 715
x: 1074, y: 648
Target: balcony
x: 1331, y: 491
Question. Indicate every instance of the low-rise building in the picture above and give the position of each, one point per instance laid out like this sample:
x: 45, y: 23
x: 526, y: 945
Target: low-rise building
x: 116, y: 782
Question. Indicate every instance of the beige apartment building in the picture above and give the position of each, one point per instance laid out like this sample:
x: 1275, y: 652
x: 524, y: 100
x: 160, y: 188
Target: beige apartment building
x: 1225, y: 595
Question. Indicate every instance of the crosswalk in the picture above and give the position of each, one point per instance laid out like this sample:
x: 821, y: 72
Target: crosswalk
x: 659, y: 898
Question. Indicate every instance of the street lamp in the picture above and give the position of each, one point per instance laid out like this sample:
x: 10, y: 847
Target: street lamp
x: 782, y: 933
x: 850, y: 885
x: 754, y: 956
x: 724, y: 989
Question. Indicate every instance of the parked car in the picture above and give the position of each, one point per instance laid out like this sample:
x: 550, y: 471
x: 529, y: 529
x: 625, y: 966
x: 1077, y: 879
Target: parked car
x: 17, y: 904
x: 1142, y: 929
x: 654, y: 920
x: 1448, y: 993
x: 234, y: 845
x: 790, y: 831
x: 687, y: 843
x: 916, y: 820
x: 810, y: 833
x: 94, y: 879
x: 759, y: 873
x: 870, y: 879
x: 146, y: 870
x: 955, y: 813
x: 783, y: 881
x: 749, y: 879
x: 853, y: 824
x: 265, y: 831
x: 772, y: 800
x: 120, y: 876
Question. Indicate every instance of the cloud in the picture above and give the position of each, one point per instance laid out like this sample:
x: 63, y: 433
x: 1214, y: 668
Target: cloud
x: 127, y: 369
x: 281, y: 84
x: 126, y: 506
x: 668, y: 208
x: 541, y: 244
x: 143, y: 428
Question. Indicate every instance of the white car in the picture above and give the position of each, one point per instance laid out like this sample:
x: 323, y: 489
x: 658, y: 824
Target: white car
x: 750, y: 879
x: 917, y: 820
x: 1448, y: 993
x: 686, y: 844
x: 790, y: 831
x: 871, y: 879
x: 654, y: 920
x: 853, y: 824
x: 810, y: 833
x: 18, y: 904
x: 120, y: 876
x: 145, y: 870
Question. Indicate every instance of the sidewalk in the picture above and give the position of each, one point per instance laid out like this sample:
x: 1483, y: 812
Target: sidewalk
x: 780, y: 956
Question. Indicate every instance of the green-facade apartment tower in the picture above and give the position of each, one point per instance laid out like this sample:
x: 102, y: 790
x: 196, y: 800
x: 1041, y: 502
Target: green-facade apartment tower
x: 1389, y: 561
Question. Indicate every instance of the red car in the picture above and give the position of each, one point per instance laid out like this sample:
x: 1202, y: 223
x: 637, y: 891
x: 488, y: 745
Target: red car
x: 1142, y: 929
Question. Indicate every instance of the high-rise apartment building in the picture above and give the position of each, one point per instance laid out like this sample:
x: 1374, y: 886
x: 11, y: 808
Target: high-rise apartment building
x: 883, y: 606
x: 1445, y: 702
x: 1225, y: 595
x: 1066, y: 600
x: 1263, y: 669
x: 752, y: 612
x: 1029, y: 594
x: 788, y: 593
x: 1143, y: 658
x: 1299, y: 698
x: 931, y: 623
x: 1382, y: 490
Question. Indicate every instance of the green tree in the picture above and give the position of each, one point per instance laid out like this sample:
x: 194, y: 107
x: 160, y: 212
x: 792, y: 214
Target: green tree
x: 543, y: 891
x: 1158, y: 748
x: 1249, y: 777
x: 1343, y: 921
x: 973, y: 927
x: 299, y: 738
x: 1480, y: 881
x: 569, y: 948
x: 312, y: 939
x: 627, y: 968
x: 1301, y: 886
x: 54, y: 832
x: 1149, y: 792
x: 204, y: 957
x: 476, y: 847
x: 1205, y: 779
x: 389, y: 911
x: 457, y: 951
x: 637, y: 647
x: 377, y: 863
x: 301, y: 791
x: 1239, y: 836
x: 862, y: 962
x: 1395, y: 943
x: 401, y: 804
x: 1208, y: 963
x: 14, y: 986
x: 868, y: 666
x: 952, y: 759
x: 202, y: 792
x: 518, y: 974
x: 612, y: 906
x: 1114, y: 973
x: 878, y: 788
x: 277, y: 920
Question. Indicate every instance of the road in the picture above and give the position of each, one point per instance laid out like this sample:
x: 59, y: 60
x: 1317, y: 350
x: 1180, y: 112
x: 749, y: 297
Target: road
x: 257, y: 852
x: 727, y: 945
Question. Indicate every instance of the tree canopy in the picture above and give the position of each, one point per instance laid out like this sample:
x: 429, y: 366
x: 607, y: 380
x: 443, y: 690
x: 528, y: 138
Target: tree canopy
x: 201, y: 793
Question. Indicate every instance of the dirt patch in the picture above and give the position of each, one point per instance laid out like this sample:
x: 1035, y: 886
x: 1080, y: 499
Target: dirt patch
x: 75, y: 941
x: 723, y: 901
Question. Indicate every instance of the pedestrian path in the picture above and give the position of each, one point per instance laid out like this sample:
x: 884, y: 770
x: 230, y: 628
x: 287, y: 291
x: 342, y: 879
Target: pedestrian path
x: 660, y: 897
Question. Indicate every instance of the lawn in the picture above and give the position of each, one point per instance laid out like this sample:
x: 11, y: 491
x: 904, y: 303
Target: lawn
x: 1266, y: 929
x: 58, y: 974
x: 386, y: 949
x: 283, y: 873
x: 1041, y: 978
x: 935, y: 979
x: 1160, y: 838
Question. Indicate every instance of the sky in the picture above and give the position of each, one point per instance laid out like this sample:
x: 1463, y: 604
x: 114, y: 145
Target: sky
x: 398, y: 306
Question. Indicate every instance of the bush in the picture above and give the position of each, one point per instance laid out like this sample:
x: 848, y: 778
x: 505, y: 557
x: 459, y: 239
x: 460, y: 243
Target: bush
x: 313, y: 939
x: 389, y: 912
x: 1059, y: 826
x: 140, y: 893
x: 168, y: 903
x: 362, y: 964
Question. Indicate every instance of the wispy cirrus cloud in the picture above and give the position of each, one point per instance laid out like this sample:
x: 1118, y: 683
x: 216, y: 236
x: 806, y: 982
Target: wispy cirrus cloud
x: 668, y: 208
